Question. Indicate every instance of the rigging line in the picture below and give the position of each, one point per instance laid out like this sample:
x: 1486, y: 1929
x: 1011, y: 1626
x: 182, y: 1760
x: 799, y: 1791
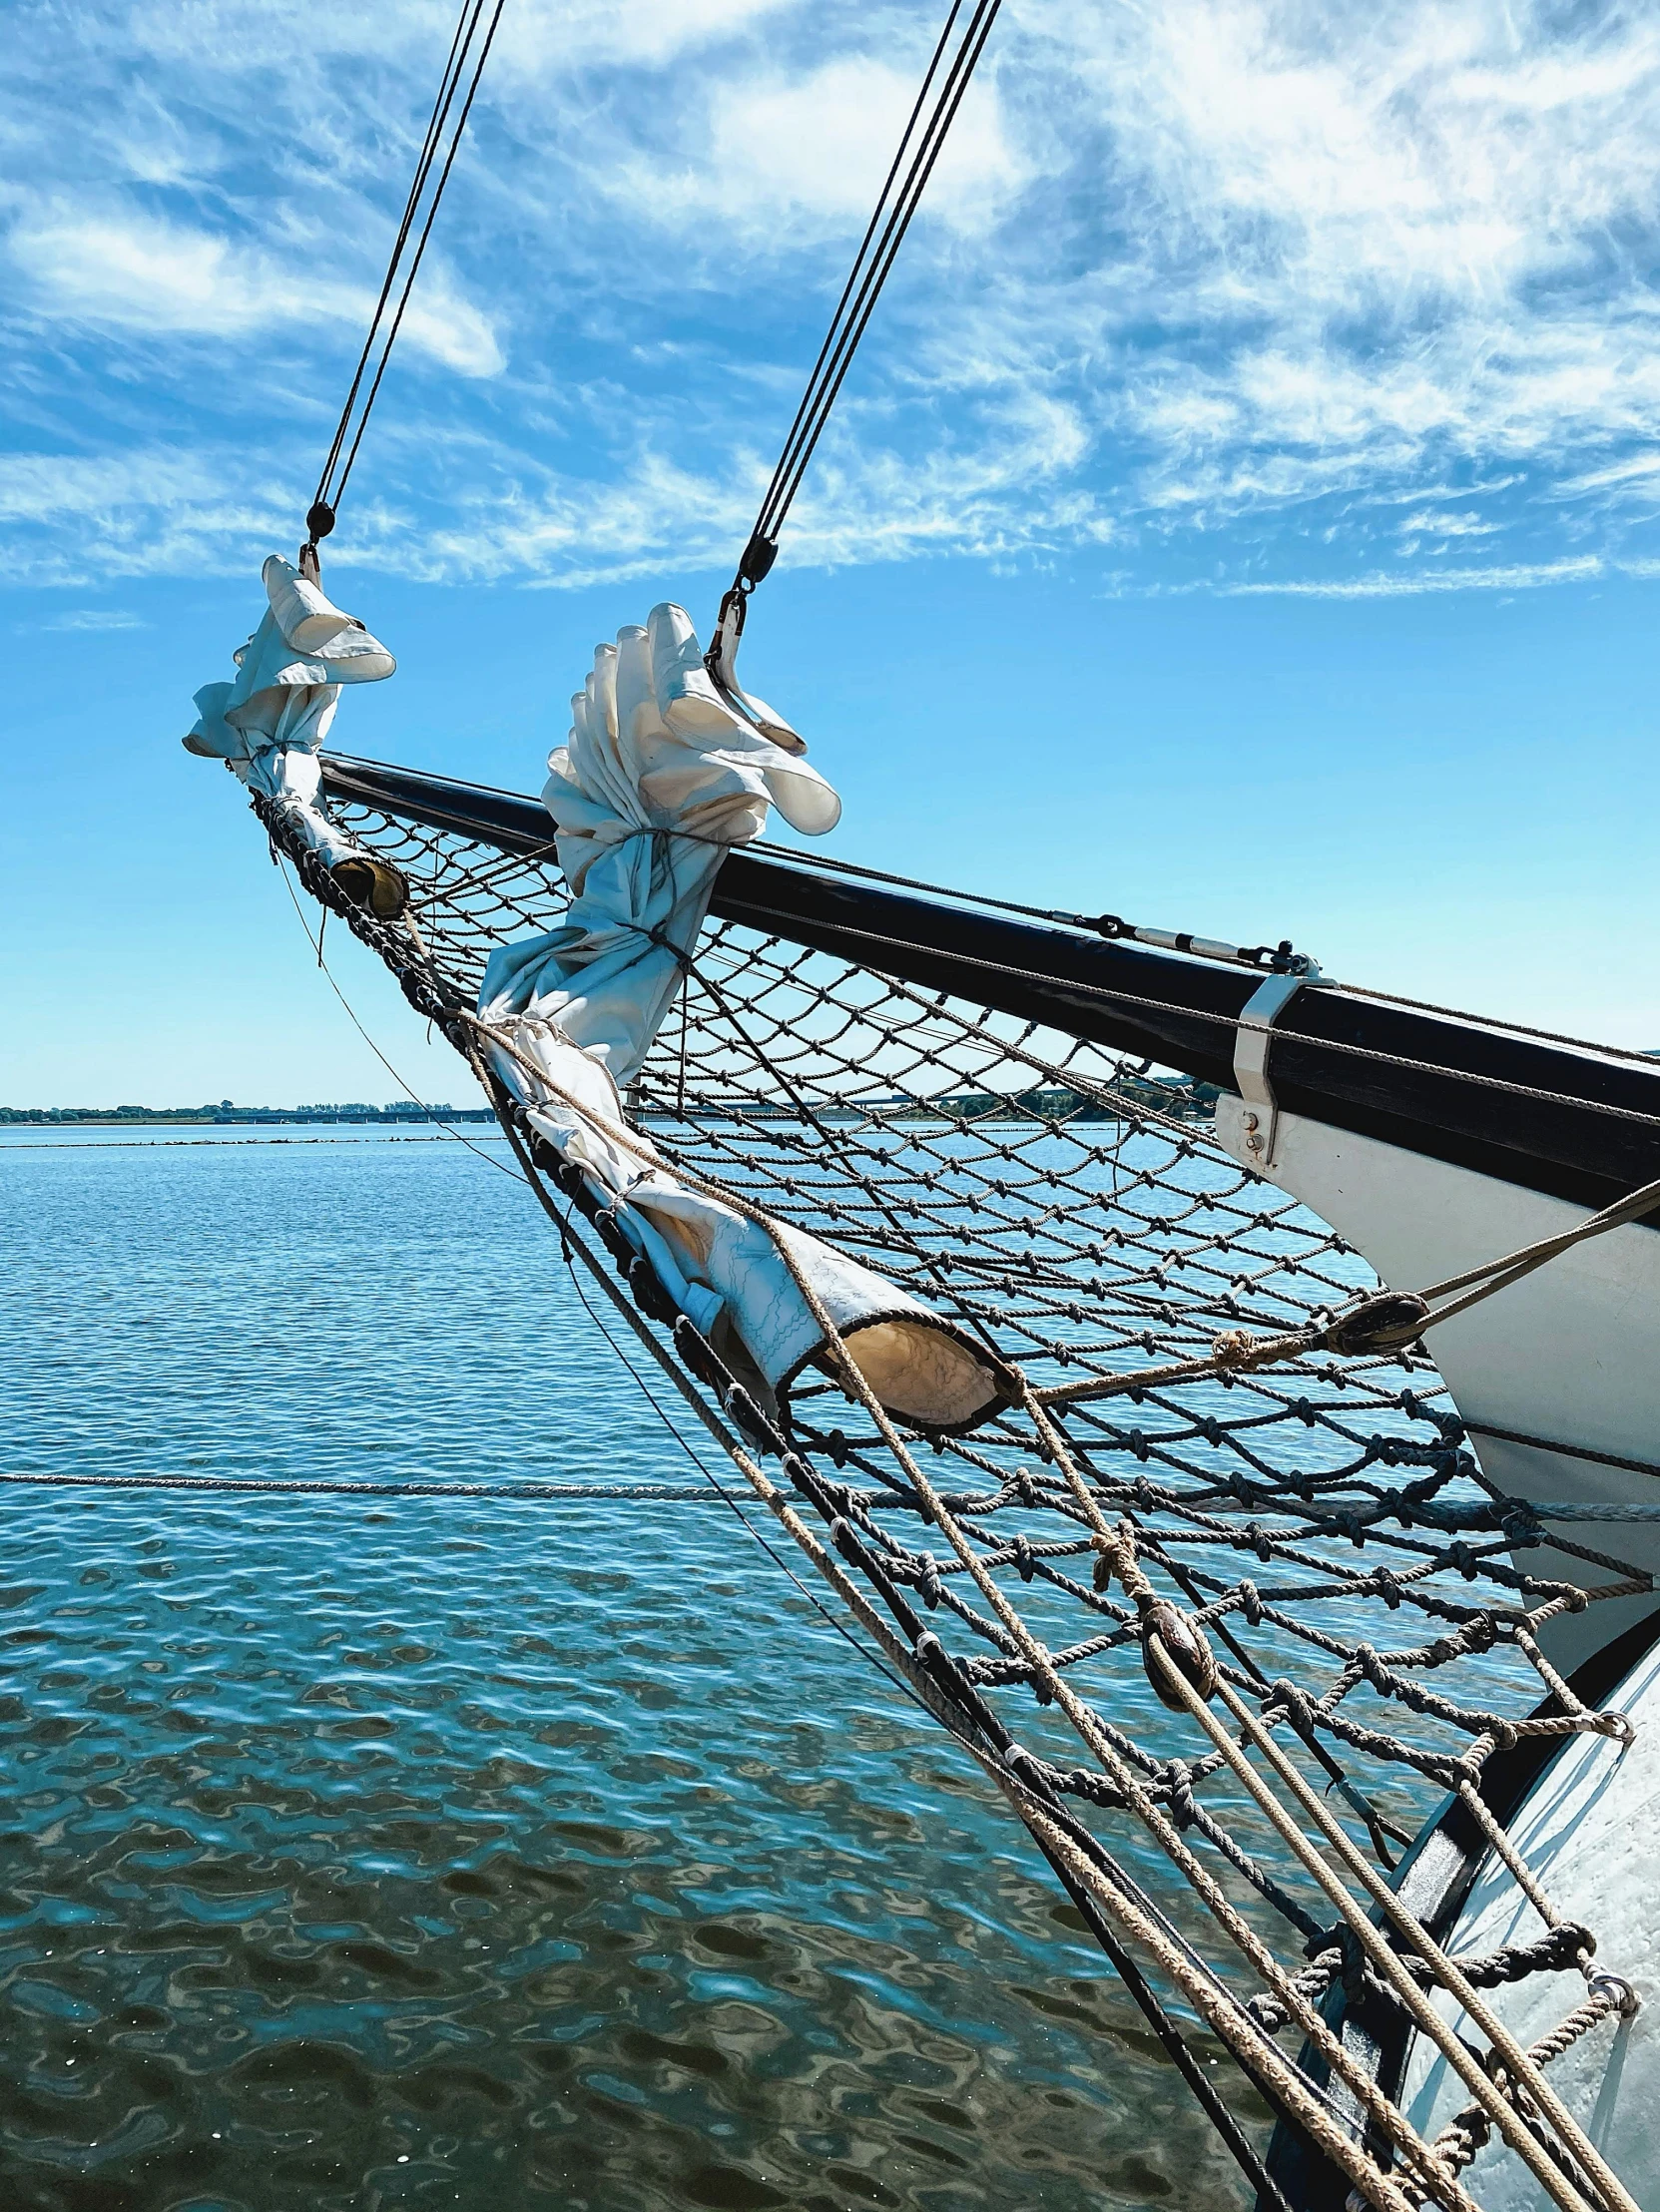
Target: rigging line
x: 921, y: 170
x: 440, y: 108
x: 827, y: 864
x: 1079, y: 988
x: 448, y: 1128
x: 870, y: 272
x: 284, y: 1487
x: 898, y: 224
x: 320, y: 521
x: 1546, y: 1444
x: 426, y: 233
x: 859, y: 260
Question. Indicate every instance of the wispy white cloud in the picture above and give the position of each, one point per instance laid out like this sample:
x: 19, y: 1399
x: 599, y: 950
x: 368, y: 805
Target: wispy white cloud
x: 1451, y: 524
x: 1408, y: 584
x: 1380, y: 239
x: 136, y: 271
x: 93, y: 618
x: 78, y: 518
x: 1220, y: 282
x: 1637, y: 476
x: 805, y: 154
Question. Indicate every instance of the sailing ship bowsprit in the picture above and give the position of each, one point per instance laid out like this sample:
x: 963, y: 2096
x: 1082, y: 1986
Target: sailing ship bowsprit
x: 1264, y: 1501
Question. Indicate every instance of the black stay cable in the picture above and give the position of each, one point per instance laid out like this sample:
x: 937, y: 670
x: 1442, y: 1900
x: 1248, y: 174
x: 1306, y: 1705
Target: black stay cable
x: 463, y: 65
x: 435, y: 123
x: 772, y: 513
x: 923, y: 138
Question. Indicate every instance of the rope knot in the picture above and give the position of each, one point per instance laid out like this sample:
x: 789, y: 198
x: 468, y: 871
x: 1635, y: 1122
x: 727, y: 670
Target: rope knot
x: 1178, y: 1781
x: 1288, y: 1698
x: 1373, y: 1669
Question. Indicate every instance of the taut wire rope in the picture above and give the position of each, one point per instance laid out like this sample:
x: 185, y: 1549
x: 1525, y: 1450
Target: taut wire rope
x: 944, y: 84
x: 445, y: 129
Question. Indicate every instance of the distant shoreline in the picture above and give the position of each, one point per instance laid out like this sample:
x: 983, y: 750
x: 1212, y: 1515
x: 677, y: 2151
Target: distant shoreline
x: 47, y: 1117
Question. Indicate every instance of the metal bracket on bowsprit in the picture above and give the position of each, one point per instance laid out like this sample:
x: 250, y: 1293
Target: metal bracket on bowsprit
x: 1251, y: 1040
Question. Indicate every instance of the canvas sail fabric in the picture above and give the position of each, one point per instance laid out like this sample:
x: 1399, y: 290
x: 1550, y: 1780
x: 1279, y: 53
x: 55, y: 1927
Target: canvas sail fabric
x: 659, y: 779
x: 268, y: 725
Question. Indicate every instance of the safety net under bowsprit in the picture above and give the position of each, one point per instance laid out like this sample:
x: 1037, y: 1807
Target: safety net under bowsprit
x: 1112, y: 1456
x: 1213, y: 1589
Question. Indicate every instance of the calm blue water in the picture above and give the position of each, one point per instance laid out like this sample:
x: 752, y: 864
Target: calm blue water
x: 445, y: 1853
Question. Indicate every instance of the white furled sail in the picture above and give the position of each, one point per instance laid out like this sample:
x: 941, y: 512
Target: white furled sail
x: 269, y: 724
x: 658, y: 779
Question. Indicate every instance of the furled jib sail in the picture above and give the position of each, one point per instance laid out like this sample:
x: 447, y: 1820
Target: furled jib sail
x: 661, y: 775
x: 269, y: 724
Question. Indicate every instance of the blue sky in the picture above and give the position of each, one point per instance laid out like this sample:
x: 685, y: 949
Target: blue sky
x: 1242, y: 514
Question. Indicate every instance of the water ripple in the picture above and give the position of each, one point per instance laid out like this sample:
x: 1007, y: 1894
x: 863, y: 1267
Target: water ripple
x: 448, y: 1854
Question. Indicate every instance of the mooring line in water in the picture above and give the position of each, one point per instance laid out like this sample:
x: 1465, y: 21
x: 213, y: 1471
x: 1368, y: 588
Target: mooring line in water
x: 673, y: 1492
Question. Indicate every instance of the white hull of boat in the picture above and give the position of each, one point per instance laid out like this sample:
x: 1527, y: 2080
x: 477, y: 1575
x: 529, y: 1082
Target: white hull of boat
x: 1590, y: 1831
x: 1570, y: 1354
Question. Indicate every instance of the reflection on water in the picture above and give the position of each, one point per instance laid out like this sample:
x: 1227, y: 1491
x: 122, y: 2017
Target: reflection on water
x: 437, y: 1852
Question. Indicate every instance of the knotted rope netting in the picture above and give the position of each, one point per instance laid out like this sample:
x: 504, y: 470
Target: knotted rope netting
x: 1198, y: 1486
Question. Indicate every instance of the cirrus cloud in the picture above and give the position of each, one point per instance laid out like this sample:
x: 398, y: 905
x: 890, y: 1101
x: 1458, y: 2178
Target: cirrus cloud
x: 1261, y: 292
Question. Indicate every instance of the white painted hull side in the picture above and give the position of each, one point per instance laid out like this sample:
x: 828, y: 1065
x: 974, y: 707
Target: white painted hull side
x: 1592, y: 1832
x: 1571, y: 1353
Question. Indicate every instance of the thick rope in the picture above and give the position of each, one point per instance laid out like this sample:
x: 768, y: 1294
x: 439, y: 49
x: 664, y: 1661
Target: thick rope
x: 286, y: 1486
x: 1385, y: 1960
x: 1259, y: 1488
x: 1338, y: 2057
